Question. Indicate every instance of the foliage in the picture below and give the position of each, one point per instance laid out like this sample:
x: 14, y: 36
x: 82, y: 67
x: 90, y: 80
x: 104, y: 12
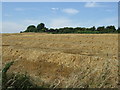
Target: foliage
x: 16, y: 81
x: 102, y: 29
x: 31, y: 28
x: 40, y: 27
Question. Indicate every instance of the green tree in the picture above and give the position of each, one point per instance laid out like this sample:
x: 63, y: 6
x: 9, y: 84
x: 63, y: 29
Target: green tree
x: 93, y: 28
x: 43, y: 29
x: 101, y: 29
x: 118, y: 30
x: 40, y: 27
x: 110, y: 29
x: 31, y: 28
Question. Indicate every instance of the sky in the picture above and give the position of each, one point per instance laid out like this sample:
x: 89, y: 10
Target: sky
x: 17, y: 16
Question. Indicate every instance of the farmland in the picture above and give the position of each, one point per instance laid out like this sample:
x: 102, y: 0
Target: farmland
x: 64, y: 60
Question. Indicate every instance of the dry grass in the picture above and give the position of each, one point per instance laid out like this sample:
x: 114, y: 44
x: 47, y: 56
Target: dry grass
x: 64, y: 60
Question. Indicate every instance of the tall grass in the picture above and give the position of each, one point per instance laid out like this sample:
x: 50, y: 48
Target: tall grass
x: 15, y: 81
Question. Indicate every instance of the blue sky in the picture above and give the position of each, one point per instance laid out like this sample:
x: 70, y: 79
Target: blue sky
x: 17, y: 16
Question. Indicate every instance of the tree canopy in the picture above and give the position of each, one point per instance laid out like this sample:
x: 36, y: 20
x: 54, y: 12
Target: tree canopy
x: 101, y: 29
x: 40, y: 27
x: 31, y: 28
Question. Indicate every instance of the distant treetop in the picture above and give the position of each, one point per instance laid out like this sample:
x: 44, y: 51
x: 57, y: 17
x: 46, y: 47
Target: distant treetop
x: 102, y: 29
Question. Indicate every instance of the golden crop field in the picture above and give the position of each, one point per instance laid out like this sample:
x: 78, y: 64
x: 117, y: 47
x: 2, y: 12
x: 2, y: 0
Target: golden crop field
x: 64, y: 60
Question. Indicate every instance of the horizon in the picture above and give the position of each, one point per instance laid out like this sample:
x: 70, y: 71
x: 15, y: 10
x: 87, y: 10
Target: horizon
x: 17, y: 16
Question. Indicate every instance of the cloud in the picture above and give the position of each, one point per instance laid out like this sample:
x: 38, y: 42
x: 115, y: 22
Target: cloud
x: 59, y: 0
x: 7, y: 15
x: 60, y: 22
x: 15, y: 27
x: 25, y: 9
x: 70, y: 11
x: 67, y: 22
x: 109, y: 10
x: 104, y: 22
x: 55, y: 8
x: 110, y: 21
x: 19, y: 9
x: 34, y: 22
x: 12, y: 27
x: 92, y: 4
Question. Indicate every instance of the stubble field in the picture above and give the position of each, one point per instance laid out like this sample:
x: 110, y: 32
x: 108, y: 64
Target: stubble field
x: 64, y: 60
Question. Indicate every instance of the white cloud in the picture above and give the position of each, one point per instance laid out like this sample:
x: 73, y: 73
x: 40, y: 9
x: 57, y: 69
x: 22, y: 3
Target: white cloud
x: 109, y: 10
x: 34, y: 22
x: 19, y: 9
x: 66, y: 22
x: 60, y: 0
x: 7, y: 15
x: 60, y: 22
x: 25, y: 9
x: 55, y: 8
x: 103, y: 22
x: 16, y: 27
x: 12, y: 27
x: 110, y: 21
x: 70, y: 11
x: 92, y: 4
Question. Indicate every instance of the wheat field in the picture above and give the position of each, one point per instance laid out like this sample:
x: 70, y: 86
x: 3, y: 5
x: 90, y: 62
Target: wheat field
x: 64, y: 60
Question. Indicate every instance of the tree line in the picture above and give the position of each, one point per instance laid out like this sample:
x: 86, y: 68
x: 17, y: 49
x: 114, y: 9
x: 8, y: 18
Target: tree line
x: 41, y: 28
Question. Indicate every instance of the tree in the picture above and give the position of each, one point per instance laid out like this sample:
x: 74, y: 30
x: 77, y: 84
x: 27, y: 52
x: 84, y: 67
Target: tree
x: 51, y: 30
x: 93, y: 28
x: 111, y: 29
x: 101, y: 29
x: 21, y: 32
x: 43, y: 29
x: 40, y: 27
x: 118, y: 30
x: 31, y: 28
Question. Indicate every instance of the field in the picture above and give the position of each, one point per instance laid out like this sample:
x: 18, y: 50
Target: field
x: 64, y: 60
